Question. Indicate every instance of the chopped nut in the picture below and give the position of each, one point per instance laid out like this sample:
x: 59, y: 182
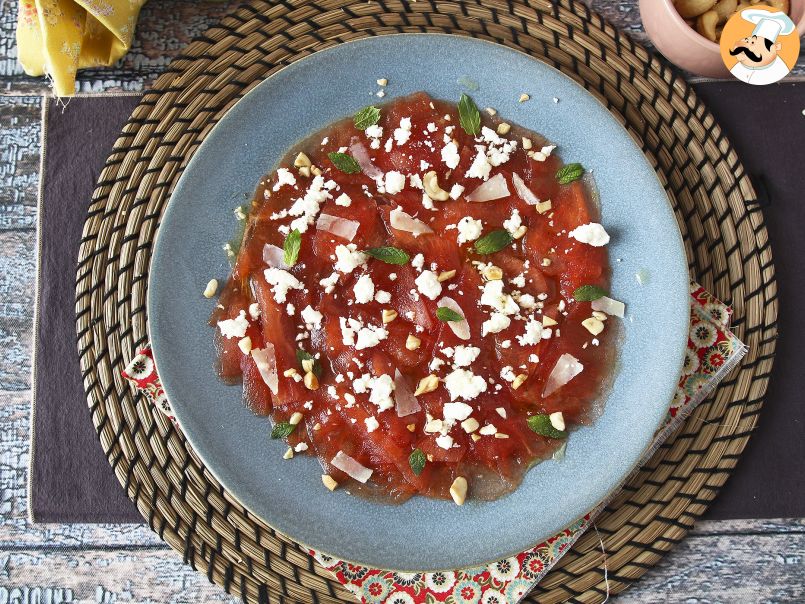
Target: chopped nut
x: 433, y: 425
x: 290, y: 372
x: 458, y: 490
x: 593, y: 325
x: 490, y: 111
x: 518, y: 381
x: 311, y: 381
x: 518, y: 234
x: 445, y: 275
x: 315, y: 170
x: 503, y: 128
x: 492, y: 273
x: 548, y: 321
x: 599, y: 315
x: 245, y: 345
x: 429, y: 457
x: 475, y: 437
x: 307, y: 365
x: 288, y: 453
x: 527, y: 144
x: 501, y: 411
x: 429, y: 383
x: 389, y: 314
x: 543, y: 206
x: 302, y: 161
x: 412, y: 342
x: 470, y: 425
x: 329, y: 482
x: 382, y: 82
x: 295, y: 418
x: 523, y: 98
x: 501, y: 435
x: 557, y: 420
x: 546, y: 262
x: 411, y: 427
x: 211, y: 288
x: 305, y: 171
x: 430, y: 182
x: 488, y: 430
x: 316, y: 427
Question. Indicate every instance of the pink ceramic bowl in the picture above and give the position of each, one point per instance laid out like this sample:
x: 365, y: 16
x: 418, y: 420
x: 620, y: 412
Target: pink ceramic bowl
x: 683, y: 46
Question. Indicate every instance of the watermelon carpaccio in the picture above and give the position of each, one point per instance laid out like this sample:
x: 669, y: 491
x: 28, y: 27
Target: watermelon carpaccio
x: 374, y: 327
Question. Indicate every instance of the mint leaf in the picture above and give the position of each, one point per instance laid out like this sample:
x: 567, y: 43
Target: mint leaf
x: 291, y: 247
x: 541, y: 424
x: 368, y: 116
x: 493, y: 241
x: 448, y: 314
x: 282, y: 430
x: 588, y: 293
x: 388, y: 254
x: 303, y: 355
x: 567, y: 174
x: 417, y: 461
x: 468, y: 115
x: 345, y: 163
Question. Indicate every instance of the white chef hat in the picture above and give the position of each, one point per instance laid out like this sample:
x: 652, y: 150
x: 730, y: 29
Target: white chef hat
x: 768, y: 25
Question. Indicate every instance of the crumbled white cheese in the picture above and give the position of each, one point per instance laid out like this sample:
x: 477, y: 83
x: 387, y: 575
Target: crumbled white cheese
x: 415, y: 181
x: 513, y: 223
x: 436, y: 364
x: 348, y: 258
x: 431, y: 127
x: 488, y: 430
x: 493, y: 296
x: 307, y: 207
x: 527, y: 302
x: 445, y: 441
x: 394, y: 182
x: 328, y: 283
x: 254, y: 310
x: 454, y: 412
x: 428, y: 284
x: 284, y: 177
x: 371, y: 423
x: 374, y: 133
x: 461, y: 383
x: 427, y: 202
x: 456, y: 190
x: 465, y: 355
x: 370, y: 336
x: 496, y: 323
x: 380, y: 391
x: 382, y: 297
x: 469, y: 229
x: 364, y: 290
x: 418, y: 262
x: 591, y: 233
x: 234, y: 328
x: 507, y: 373
x: 311, y: 317
x: 343, y: 200
x: 543, y: 153
x: 450, y: 155
x: 291, y: 309
x: 403, y: 133
x: 282, y: 281
x: 533, y: 333
x: 480, y: 167
x: 518, y: 281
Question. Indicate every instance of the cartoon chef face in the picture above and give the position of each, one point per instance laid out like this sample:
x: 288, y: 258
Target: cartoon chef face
x: 755, y: 51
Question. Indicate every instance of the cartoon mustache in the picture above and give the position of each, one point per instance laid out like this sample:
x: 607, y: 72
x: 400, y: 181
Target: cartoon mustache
x: 749, y: 54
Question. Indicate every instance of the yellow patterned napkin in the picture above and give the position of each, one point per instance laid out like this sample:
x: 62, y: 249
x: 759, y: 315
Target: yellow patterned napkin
x: 58, y: 37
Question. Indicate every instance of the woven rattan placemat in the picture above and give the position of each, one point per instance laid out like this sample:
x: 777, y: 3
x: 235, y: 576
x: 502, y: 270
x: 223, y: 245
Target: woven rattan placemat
x: 712, y: 196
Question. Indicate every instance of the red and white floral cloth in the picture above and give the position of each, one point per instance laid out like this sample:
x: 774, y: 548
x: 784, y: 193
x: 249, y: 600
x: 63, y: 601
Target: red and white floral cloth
x: 712, y: 352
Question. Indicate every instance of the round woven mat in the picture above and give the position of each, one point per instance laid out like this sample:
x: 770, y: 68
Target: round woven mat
x: 715, y: 204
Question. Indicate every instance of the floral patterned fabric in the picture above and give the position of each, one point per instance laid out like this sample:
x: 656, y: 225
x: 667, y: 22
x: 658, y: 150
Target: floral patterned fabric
x: 712, y: 352
x: 58, y: 37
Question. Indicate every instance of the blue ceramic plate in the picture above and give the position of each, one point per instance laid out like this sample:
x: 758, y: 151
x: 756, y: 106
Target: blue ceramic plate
x: 421, y: 534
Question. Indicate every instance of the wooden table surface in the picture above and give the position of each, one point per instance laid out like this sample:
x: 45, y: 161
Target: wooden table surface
x: 725, y: 561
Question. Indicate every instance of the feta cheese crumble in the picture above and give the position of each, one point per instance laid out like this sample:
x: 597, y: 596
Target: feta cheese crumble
x: 284, y: 177
x: 282, y: 282
x: 450, y: 155
x: 428, y: 284
x: 591, y: 233
x: 469, y: 229
x: 234, y: 328
x: 312, y: 317
x: 364, y: 290
x: 463, y: 384
x: 493, y: 296
x: 394, y: 182
x: 348, y: 258
x: 463, y: 356
x: 496, y: 323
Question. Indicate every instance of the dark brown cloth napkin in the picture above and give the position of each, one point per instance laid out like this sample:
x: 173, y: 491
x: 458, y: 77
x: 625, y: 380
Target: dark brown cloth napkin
x: 72, y: 481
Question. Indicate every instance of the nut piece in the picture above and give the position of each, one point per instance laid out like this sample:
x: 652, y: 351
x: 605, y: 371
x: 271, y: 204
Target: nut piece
x: 307, y: 365
x: 302, y: 161
x: 523, y: 98
x: 430, y: 182
x: 519, y: 380
x: 725, y: 8
x: 458, y: 490
x: 382, y: 82
x: 593, y: 325
x: 475, y: 437
x: 544, y: 206
x: 305, y: 171
x: 212, y: 287
x: 501, y: 435
x: 295, y: 418
x: 546, y: 262
x: 490, y: 111
x: 290, y: 372
x: 503, y: 128
x: 445, y: 275
x: 548, y: 321
x: 389, y: 314
x: 527, y: 144
x: 689, y: 9
x: 518, y: 234
x: 316, y: 427
x: 557, y: 420
x: 411, y: 427
x: 599, y: 315
x: 706, y: 25
x: 412, y: 342
x: 429, y: 383
x: 492, y: 273
x: 288, y: 453
x: 245, y: 345
x: 311, y: 381
x: 315, y: 170
x: 470, y: 425
x: 329, y: 482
